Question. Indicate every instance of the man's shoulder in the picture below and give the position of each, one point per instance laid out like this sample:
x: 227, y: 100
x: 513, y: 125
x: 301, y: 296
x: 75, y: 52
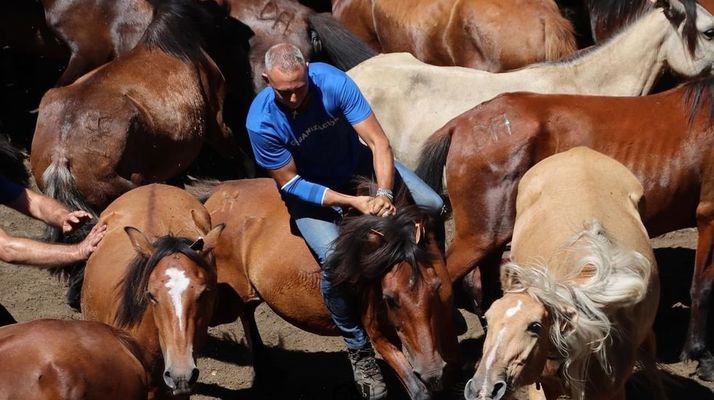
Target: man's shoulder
x: 325, y: 73
x: 262, y: 108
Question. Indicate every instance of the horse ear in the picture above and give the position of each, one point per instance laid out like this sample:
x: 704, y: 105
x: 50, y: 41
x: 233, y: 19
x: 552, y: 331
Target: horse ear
x: 418, y: 232
x: 139, y: 241
x: 205, y: 244
x: 201, y: 220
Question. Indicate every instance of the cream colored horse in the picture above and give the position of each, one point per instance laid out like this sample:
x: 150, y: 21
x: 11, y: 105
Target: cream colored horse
x: 581, y: 290
x: 412, y: 99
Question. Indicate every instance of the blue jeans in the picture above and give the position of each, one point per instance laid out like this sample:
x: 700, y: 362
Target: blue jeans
x: 318, y: 226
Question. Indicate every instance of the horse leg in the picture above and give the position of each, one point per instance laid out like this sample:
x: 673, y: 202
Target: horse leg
x: 256, y: 347
x: 695, y: 344
x: 647, y: 355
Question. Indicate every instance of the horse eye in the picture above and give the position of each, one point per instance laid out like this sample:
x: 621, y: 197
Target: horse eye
x: 390, y: 300
x: 535, y: 327
x: 151, y: 297
x: 709, y: 34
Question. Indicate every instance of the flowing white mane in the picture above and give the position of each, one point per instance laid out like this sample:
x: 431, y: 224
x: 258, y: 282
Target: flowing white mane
x: 608, y: 277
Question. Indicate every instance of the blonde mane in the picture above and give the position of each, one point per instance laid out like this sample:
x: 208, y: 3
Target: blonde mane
x: 607, y: 278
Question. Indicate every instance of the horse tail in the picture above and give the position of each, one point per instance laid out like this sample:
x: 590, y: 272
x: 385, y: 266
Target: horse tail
x: 60, y: 185
x: 340, y: 46
x: 559, y: 37
x: 433, y: 158
x: 12, y: 162
x: 5, y: 317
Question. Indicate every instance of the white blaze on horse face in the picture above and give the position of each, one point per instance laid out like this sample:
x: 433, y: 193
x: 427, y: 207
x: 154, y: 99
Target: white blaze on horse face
x: 491, y: 358
x: 513, y: 310
x: 177, y: 284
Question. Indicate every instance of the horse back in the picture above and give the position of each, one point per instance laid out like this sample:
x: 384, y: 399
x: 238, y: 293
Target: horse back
x: 76, y: 360
x: 261, y: 257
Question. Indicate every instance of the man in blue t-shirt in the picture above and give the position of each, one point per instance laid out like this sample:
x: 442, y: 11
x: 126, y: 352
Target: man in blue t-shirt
x: 42, y: 254
x: 305, y: 130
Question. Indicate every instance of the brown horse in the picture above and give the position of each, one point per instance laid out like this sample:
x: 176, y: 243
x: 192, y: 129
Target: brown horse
x: 492, y: 35
x: 405, y: 308
x: 581, y: 289
x: 144, y: 117
x: 70, y: 360
x: 154, y: 276
x: 665, y: 139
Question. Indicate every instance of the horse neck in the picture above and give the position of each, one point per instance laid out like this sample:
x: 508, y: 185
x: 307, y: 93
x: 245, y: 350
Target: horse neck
x: 627, y: 65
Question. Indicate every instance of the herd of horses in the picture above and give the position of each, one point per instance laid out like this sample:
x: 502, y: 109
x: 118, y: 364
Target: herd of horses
x: 558, y: 151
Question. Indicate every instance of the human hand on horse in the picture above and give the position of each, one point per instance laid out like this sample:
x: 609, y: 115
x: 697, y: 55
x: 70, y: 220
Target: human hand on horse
x: 86, y: 247
x: 73, y: 220
x: 381, y: 206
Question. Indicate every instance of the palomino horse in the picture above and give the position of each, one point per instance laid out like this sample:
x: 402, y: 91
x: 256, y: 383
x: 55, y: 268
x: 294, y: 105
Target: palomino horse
x: 394, y: 262
x: 143, y: 117
x: 665, y: 139
x: 419, y: 98
x: 581, y: 289
x: 492, y: 35
x: 70, y: 360
x: 154, y: 276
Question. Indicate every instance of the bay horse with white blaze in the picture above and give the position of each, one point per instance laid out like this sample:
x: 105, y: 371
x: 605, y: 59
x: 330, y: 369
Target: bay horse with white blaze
x: 143, y: 117
x: 420, y: 98
x: 581, y: 289
x: 70, y: 360
x: 665, y: 139
x: 491, y: 35
x: 153, y: 275
x: 394, y: 264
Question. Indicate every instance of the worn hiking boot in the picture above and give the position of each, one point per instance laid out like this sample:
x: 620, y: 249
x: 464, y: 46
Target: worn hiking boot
x: 368, y: 377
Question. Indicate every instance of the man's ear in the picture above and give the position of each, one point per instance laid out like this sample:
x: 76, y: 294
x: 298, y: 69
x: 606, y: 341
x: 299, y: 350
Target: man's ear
x: 265, y: 78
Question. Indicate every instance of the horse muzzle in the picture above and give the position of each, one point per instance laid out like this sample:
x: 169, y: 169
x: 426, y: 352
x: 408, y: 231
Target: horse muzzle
x: 180, y: 383
x: 496, y: 391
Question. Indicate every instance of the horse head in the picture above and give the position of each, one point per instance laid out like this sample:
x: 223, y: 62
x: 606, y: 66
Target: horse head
x: 395, y: 265
x: 688, y: 48
x: 174, y: 278
x: 516, y: 347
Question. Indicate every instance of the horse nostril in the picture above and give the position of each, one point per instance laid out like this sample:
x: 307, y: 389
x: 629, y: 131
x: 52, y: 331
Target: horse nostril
x: 499, y: 389
x: 169, y: 380
x: 469, y: 391
x: 194, y: 376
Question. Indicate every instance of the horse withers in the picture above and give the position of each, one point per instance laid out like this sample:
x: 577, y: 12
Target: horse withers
x: 153, y: 275
x: 394, y: 262
x: 581, y: 289
x: 70, y: 360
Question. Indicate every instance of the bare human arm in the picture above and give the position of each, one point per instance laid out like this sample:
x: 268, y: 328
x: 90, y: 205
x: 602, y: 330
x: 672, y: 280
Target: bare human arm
x: 48, y: 210
x: 27, y: 251
x: 371, y: 132
x: 332, y: 198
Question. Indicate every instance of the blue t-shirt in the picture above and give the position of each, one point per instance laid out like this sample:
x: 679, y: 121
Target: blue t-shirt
x: 9, y: 190
x: 321, y: 140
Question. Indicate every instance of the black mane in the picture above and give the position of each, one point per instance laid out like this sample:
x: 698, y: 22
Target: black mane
x: 697, y: 93
x: 134, y: 285
x: 355, y: 260
x: 183, y: 28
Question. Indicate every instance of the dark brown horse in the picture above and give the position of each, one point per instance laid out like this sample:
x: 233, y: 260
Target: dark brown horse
x: 153, y: 275
x: 144, y: 117
x: 393, y: 263
x: 70, y: 360
x: 664, y: 139
x: 492, y: 35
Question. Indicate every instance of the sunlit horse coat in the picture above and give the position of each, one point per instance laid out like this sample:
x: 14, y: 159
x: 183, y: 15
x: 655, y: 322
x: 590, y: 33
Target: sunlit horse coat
x: 581, y: 260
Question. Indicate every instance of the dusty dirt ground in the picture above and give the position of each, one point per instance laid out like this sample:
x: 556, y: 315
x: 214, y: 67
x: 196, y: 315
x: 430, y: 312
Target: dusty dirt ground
x: 306, y: 366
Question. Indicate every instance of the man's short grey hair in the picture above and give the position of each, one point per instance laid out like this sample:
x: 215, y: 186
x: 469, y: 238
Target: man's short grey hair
x: 285, y: 56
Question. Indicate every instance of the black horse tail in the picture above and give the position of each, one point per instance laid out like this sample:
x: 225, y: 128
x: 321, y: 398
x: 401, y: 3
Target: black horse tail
x: 12, y: 164
x: 433, y: 158
x: 332, y: 41
x: 5, y: 317
x: 60, y: 185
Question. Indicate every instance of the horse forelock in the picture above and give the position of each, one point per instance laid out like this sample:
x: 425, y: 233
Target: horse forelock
x: 615, y: 278
x: 357, y: 263
x: 136, y: 280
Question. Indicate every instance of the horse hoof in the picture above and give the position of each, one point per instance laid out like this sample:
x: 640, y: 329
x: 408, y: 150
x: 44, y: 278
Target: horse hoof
x: 693, y: 351
x: 705, y: 369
